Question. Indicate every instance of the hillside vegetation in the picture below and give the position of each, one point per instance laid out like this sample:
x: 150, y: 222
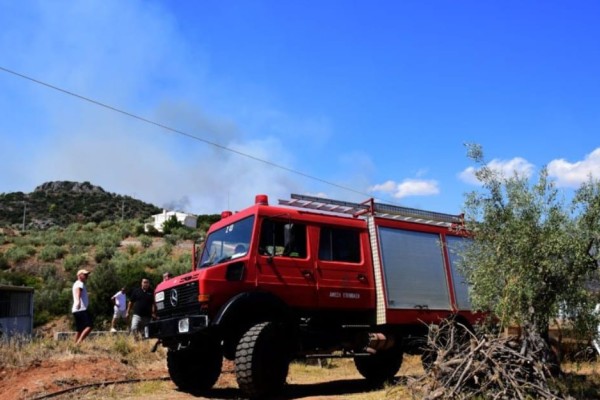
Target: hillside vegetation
x: 64, y: 235
x: 62, y: 203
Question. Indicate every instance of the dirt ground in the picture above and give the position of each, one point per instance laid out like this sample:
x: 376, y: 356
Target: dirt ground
x: 95, y: 373
x: 47, y: 378
x: 50, y: 376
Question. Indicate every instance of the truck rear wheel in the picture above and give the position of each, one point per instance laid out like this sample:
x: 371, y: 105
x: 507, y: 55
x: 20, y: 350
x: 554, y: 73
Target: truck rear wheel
x: 262, y: 360
x: 380, y: 367
x: 196, y: 368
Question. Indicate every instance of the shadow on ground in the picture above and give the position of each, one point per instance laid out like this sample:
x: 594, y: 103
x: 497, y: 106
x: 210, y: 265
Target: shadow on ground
x: 339, y: 387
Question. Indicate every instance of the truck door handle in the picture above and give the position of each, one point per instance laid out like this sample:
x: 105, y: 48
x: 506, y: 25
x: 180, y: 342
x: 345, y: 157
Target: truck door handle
x: 307, y: 274
x: 362, y: 278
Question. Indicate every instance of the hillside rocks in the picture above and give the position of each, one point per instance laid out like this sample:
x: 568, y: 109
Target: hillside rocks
x: 68, y: 186
x: 61, y: 203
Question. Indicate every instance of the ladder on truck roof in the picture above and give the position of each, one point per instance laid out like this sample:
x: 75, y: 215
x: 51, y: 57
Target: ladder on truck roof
x: 377, y: 209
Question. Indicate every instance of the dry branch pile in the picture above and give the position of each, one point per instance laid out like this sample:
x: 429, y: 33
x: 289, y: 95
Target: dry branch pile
x: 462, y: 365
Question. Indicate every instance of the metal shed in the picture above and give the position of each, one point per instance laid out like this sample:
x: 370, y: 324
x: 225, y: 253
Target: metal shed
x: 16, y: 310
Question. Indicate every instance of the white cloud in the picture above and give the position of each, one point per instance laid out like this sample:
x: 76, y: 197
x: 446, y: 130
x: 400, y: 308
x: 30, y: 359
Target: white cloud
x: 574, y: 174
x: 506, y: 168
x: 407, y: 188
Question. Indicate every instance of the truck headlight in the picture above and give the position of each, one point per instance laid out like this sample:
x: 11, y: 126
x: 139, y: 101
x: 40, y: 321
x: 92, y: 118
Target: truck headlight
x: 184, y: 325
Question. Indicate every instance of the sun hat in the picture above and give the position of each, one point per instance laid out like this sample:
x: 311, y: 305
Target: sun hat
x: 83, y: 271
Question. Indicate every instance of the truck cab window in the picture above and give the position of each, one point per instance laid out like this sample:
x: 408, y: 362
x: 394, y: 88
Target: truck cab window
x: 282, y: 238
x: 228, y: 243
x: 339, y: 245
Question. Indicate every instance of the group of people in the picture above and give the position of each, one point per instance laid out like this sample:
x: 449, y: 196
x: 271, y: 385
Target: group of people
x: 141, y: 303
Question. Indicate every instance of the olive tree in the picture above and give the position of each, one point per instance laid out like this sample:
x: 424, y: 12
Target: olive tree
x: 530, y: 256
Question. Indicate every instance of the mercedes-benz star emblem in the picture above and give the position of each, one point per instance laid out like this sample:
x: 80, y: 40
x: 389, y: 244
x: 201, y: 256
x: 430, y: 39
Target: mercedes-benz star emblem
x: 174, y: 297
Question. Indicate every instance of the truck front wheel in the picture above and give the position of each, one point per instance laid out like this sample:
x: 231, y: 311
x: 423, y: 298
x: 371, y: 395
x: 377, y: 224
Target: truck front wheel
x: 380, y: 367
x: 262, y: 360
x: 196, y: 368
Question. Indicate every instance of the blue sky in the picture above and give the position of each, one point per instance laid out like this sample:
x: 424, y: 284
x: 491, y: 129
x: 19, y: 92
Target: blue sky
x: 375, y: 96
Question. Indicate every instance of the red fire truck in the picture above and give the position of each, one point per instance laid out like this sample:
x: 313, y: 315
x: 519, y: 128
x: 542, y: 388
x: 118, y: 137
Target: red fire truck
x: 310, y: 277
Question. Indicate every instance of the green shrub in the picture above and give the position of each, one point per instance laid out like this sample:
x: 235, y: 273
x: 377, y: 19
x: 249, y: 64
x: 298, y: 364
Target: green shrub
x: 179, y: 266
x: 19, y: 278
x: 145, y: 240
x: 75, y: 261
x: 90, y: 226
x: 85, y: 238
x: 171, y: 239
x: 54, y: 297
x: 52, y: 252
x: 17, y: 254
x: 35, y: 239
x: 56, y: 238
x: 103, y: 283
x: 74, y: 227
x: 77, y: 249
x: 151, y: 258
x: 186, y: 233
x: 131, y: 249
x: 170, y: 225
x: 165, y: 250
x: 104, y: 253
x: 41, y: 317
x: 4, y: 264
x: 139, y: 229
x: 152, y: 231
x: 125, y: 231
x: 108, y: 239
x: 105, y: 224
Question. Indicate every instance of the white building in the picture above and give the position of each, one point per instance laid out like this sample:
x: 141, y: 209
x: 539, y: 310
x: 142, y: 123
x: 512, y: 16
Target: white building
x: 188, y: 220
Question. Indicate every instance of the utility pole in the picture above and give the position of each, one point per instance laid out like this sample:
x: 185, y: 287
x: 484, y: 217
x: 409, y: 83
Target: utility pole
x: 24, y: 212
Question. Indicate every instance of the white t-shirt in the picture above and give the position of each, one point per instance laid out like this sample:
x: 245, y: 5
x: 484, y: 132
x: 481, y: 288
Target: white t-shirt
x: 120, y: 300
x: 84, y: 296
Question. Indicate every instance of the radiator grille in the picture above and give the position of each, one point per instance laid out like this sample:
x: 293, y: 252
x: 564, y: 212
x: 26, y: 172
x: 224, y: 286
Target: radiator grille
x: 187, y: 300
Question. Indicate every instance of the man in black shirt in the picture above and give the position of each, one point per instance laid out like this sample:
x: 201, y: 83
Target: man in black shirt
x: 142, y: 300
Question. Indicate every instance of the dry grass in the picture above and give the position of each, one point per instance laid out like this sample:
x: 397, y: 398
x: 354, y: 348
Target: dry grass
x: 21, y: 352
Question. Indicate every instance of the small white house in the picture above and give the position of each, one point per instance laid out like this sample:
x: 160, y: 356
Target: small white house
x: 188, y: 220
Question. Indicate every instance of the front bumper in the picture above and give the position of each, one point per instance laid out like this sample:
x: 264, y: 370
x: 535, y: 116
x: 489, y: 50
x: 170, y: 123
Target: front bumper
x: 176, y: 326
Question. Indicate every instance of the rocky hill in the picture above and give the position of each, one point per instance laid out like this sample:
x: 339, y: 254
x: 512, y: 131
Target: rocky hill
x: 61, y: 203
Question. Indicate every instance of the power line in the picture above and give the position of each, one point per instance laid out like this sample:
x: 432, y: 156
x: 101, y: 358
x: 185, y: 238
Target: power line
x: 186, y: 134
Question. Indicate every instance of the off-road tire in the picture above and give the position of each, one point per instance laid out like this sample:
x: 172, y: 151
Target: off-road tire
x: 262, y: 360
x: 381, y: 367
x: 195, y: 369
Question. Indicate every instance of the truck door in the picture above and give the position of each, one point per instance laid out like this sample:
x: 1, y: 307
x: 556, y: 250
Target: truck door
x: 284, y: 264
x: 344, y: 274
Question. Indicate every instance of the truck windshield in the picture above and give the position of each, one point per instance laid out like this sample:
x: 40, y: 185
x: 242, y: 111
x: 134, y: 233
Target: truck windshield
x: 228, y: 243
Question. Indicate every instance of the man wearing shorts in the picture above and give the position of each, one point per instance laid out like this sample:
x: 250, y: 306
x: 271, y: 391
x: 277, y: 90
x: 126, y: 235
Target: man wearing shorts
x: 120, y: 308
x: 142, y: 301
x: 83, y: 321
